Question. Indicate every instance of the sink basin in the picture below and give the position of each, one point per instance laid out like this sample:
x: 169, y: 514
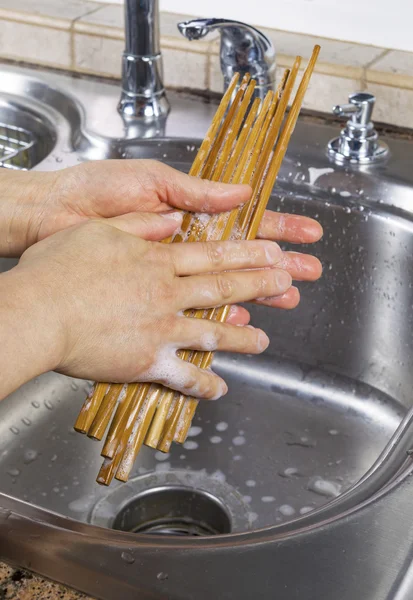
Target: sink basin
x: 27, y: 135
x: 307, y: 450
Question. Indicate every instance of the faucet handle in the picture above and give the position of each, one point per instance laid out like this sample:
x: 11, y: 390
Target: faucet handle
x: 360, y: 108
x: 244, y: 49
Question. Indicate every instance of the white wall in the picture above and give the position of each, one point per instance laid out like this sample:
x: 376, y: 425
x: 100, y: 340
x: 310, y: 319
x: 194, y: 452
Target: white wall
x: 385, y: 23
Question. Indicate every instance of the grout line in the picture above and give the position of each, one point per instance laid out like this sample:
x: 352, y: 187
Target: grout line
x: 369, y: 65
x: 72, y: 34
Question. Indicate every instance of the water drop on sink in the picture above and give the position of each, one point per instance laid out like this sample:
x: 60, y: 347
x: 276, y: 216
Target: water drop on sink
x: 324, y: 487
x: 162, y: 576
x: 128, y: 558
x: 36, y: 404
x: 48, y: 404
x: 30, y: 456
x: 221, y: 426
x: 194, y: 431
x: 250, y: 483
x: 162, y: 456
x: 14, y: 430
x: 333, y: 432
x: 306, y: 509
x: 239, y: 440
x: 290, y: 472
x: 286, y: 510
x: 267, y: 499
x: 26, y: 421
x: 215, y: 439
x: 74, y: 386
x: 190, y: 445
x: 13, y: 472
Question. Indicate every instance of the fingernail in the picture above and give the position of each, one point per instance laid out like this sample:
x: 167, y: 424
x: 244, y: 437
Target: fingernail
x: 272, y: 253
x: 173, y: 216
x: 222, y: 390
x: 263, y: 341
x: 283, y: 280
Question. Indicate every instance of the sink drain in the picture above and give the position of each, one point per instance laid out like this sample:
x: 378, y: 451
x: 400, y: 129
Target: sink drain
x: 173, y: 510
x: 173, y: 503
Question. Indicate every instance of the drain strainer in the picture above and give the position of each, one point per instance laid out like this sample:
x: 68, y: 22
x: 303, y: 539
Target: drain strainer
x: 178, y: 503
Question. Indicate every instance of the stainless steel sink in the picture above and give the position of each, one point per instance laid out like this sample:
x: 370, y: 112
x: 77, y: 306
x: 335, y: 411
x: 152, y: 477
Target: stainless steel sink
x: 301, y: 475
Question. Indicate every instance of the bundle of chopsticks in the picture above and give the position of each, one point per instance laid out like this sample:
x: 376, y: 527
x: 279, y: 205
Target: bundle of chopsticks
x: 246, y: 143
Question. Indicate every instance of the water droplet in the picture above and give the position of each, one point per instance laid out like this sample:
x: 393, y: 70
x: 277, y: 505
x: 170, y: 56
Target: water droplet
x: 162, y: 456
x: 286, y: 510
x: 194, y: 431
x: 30, y: 456
x: 13, y: 472
x: 267, y: 499
x: 190, y: 445
x: 26, y: 421
x: 247, y: 499
x: 333, y: 432
x: 54, y: 457
x: 48, y: 404
x: 250, y: 483
x: 306, y: 509
x: 324, y: 487
x: 128, y: 558
x: 74, y: 386
x: 162, y: 576
x: 239, y: 440
x: 221, y: 426
x: 14, y: 430
x: 36, y: 404
x: 215, y: 439
x: 238, y: 457
x: 290, y: 472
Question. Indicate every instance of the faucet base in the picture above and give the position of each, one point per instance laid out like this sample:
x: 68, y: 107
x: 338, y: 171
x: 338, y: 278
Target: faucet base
x: 343, y: 154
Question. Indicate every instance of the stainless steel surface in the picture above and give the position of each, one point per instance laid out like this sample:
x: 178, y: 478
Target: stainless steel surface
x: 358, y: 142
x: 244, y: 49
x: 26, y: 136
x: 313, y: 439
x: 143, y: 103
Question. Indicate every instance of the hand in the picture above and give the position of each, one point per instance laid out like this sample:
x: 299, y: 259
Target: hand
x: 40, y: 204
x: 112, y: 302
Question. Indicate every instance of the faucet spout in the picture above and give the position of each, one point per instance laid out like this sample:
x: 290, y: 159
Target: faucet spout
x: 143, y: 98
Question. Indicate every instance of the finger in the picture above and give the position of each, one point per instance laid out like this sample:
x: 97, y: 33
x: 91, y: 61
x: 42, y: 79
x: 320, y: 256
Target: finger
x: 210, y: 336
x: 190, y: 380
x: 295, y: 229
x: 148, y: 226
x: 205, y: 291
x: 302, y: 267
x: 192, y: 193
x: 287, y: 301
x: 207, y: 257
x: 238, y: 315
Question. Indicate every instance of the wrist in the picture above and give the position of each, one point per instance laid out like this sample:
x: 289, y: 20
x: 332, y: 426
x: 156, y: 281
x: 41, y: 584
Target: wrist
x: 29, y: 324
x: 23, y: 197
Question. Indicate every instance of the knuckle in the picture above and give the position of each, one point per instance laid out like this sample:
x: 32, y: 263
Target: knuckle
x: 224, y: 286
x: 215, y: 254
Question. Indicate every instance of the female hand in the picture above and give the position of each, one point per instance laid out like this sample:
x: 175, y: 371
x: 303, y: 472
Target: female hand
x: 107, y: 305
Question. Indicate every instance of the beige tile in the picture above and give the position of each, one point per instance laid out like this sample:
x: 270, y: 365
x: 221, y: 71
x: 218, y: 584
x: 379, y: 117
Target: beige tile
x: 20, y: 41
x: 323, y: 93
x: 55, y: 13
x: 394, y: 68
x: 185, y: 69
x: 395, y: 61
x: 97, y: 55
x: 332, y: 51
x: 393, y: 105
x: 216, y: 80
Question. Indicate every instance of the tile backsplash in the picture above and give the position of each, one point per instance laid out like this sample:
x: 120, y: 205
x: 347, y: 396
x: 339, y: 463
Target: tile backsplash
x: 88, y: 37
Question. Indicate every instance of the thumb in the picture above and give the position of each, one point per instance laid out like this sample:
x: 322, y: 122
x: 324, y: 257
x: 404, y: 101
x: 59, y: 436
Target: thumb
x: 152, y: 227
x: 198, y: 195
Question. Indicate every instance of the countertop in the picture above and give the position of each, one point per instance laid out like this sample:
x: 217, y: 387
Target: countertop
x: 18, y: 584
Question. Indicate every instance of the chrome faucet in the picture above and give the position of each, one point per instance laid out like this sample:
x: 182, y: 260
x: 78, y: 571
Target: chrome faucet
x: 143, y: 100
x: 244, y: 49
x: 358, y: 142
